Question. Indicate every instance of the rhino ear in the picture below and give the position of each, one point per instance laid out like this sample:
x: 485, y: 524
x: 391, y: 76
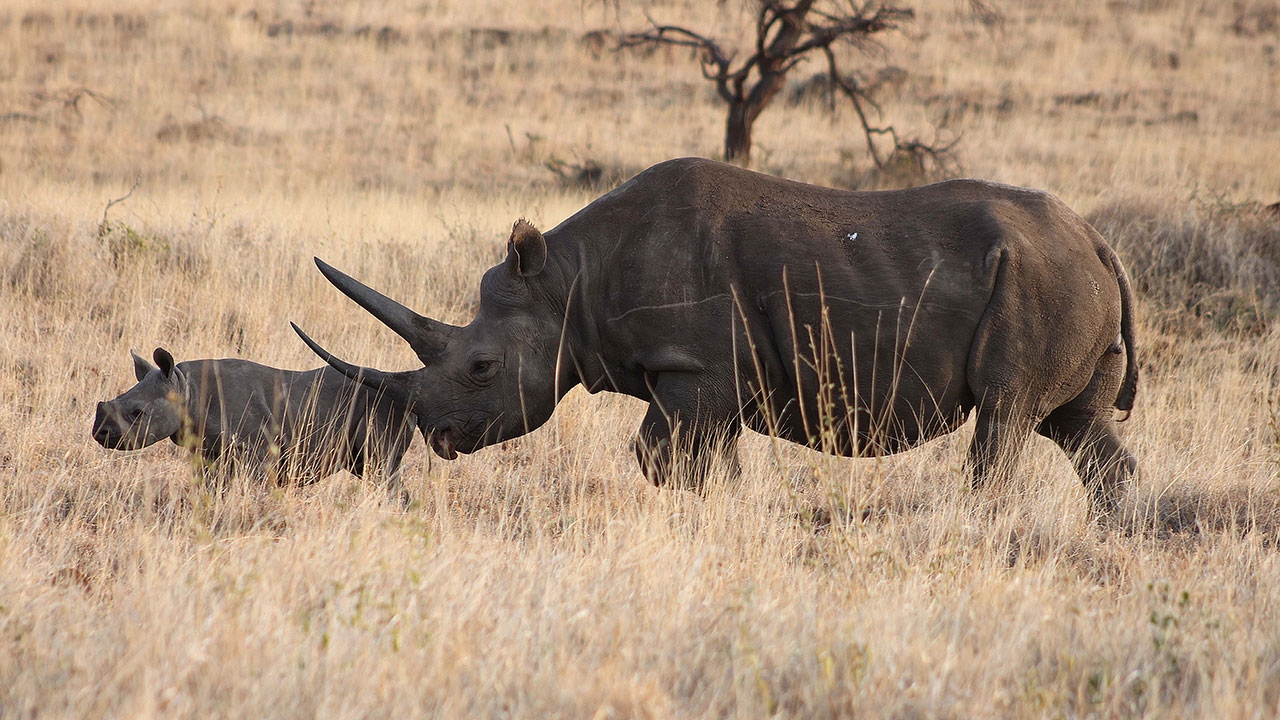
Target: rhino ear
x: 526, y: 249
x: 165, y: 361
x: 140, y: 366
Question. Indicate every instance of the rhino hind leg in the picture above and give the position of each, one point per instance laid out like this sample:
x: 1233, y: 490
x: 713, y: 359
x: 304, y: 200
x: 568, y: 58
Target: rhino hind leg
x: 355, y: 465
x: 686, y: 430
x: 1101, y: 460
x: 384, y: 458
x: 1085, y: 429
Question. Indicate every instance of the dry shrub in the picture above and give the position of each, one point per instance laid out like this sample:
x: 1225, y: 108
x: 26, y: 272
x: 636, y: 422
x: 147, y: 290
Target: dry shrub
x: 1218, y: 261
x: 46, y: 260
x: 132, y: 250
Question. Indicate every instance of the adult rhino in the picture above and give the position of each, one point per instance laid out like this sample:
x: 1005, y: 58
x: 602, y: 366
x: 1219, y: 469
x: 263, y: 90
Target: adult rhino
x: 860, y: 323
x: 298, y: 425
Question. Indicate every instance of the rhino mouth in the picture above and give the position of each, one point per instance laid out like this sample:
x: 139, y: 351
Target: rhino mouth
x: 107, y: 439
x: 448, y: 441
x: 444, y: 441
x: 109, y: 429
x: 114, y: 438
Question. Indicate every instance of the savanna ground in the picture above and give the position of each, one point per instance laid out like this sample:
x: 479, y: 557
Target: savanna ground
x: 543, y: 577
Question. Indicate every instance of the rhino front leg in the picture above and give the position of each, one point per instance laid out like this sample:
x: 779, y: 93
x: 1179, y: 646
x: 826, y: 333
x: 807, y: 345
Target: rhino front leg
x: 376, y: 453
x: 390, y: 470
x: 688, y: 427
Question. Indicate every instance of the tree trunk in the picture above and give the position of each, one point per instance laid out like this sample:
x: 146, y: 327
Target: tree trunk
x: 737, y: 135
x: 772, y: 67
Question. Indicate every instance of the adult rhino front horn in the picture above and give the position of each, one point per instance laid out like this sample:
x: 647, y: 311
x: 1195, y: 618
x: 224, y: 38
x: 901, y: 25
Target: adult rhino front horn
x: 860, y: 323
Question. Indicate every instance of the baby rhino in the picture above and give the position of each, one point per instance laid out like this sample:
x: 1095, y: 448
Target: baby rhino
x: 296, y: 426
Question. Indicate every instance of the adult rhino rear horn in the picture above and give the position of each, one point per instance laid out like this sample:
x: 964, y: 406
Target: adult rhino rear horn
x: 391, y: 384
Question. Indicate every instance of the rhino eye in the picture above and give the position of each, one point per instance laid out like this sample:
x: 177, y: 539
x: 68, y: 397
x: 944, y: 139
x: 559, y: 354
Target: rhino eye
x: 483, y: 369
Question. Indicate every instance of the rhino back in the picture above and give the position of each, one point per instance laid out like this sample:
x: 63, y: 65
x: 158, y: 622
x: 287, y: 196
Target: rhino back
x: 332, y: 394
x: 709, y: 252
x: 337, y: 413
x: 231, y: 399
x: 316, y: 420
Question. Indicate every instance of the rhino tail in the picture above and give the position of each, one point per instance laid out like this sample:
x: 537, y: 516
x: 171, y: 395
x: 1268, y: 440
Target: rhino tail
x: 1128, y: 388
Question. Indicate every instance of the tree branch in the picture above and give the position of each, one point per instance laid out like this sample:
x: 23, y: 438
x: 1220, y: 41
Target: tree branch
x: 914, y: 149
x: 110, y: 203
x: 712, y: 55
x: 852, y: 28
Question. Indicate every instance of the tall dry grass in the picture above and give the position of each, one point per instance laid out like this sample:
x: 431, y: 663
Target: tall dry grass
x: 542, y: 577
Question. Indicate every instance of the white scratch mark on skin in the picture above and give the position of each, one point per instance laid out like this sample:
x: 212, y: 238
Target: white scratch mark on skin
x: 669, y: 306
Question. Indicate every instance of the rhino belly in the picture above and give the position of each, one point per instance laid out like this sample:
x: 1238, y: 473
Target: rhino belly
x: 871, y: 378
x: 861, y: 428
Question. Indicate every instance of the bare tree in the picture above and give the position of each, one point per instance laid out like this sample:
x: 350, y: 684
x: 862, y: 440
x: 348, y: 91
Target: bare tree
x: 785, y: 33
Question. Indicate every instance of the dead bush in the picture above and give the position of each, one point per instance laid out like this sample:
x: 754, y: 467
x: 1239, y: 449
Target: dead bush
x: 1206, y: 258
x: 49, y: 261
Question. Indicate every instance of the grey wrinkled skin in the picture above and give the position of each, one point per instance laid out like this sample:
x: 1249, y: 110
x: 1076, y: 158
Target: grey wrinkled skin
x: 300, y: 426
x: 858, y: 323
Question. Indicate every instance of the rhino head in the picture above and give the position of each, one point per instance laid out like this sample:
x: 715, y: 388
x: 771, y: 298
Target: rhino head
x: 492, y: 380
x: 148, y: 412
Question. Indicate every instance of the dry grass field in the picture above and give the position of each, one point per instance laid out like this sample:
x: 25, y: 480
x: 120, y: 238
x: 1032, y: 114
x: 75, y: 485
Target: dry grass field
x: 543, y: 577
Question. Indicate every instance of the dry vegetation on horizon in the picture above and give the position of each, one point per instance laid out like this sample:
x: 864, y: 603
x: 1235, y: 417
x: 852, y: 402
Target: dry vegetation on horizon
x: 542, y: 577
